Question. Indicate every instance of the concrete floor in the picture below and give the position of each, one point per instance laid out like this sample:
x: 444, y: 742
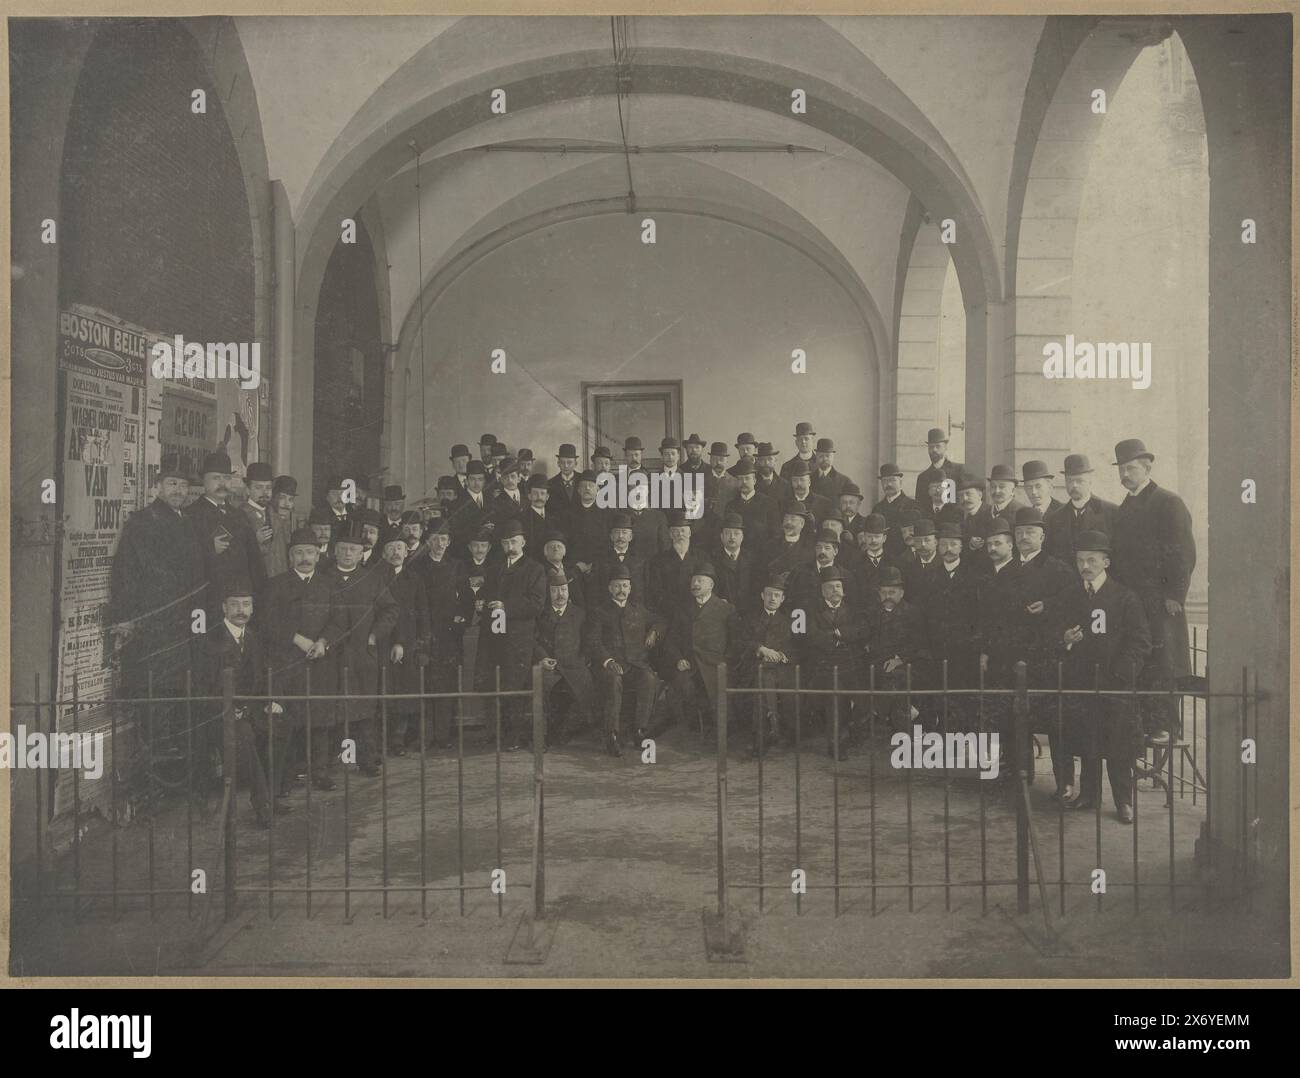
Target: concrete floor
x: 631, y: 870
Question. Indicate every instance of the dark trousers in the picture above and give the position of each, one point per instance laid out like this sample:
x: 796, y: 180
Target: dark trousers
x: 1121, y: 779
x: 254, y: 745
x: 641, y: 681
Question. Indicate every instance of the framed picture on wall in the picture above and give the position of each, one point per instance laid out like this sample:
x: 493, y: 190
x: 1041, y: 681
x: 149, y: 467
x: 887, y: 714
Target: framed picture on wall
x: 612, y: 412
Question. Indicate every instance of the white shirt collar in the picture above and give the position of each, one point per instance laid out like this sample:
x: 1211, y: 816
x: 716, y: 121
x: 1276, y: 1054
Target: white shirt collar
x: 306, y: 578
x: 1101, y: 579
x: 235, y: 630
x: 1031, y: 557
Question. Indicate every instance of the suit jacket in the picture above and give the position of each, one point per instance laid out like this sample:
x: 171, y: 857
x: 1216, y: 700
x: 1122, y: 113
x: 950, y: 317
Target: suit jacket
x: 447, y: 596
x: 360, y: 604
x: 719, y: 491
x: 467, y: 518
x: 408, y: 591
x: 1041, y: 580
x: 157, y: 581
x: 535, y: 529
x: 974, y: 527
x: 788, y: 466
x: 825, y: 649
x: 893, y: 514
x: 920, y: 581
x: 486, y: 575
x: 798, y: 563
x: 587, y: 529
x: 505, y: 508
x: 708, y: 635
x: 774, y: 486
x: 563, y: 638
x: 668, y: 578
x: 1120, y: 651
x: 737, y: 581
x: 819, y: 507
x: 242, y: 560
x: 297, y: 608
x: 620, y: 633
x: 762, y: 521
x: 275, y: 551
x: 218, y: 650
x: 1064, y: 525
x: 952, y: 614
x: 899, y: 633
x: 563, y: 496
x: 649, y: 532
x: 831, y: 485
x: 949, y: 469
x: 998, y: 618
x: 636, y: 567
x: 521, y: 588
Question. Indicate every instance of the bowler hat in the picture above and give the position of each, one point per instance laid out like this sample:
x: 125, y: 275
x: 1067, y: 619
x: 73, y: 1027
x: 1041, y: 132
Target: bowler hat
x: 632, y: 443
x: 475, y: 467
x: 459, y: 450
x: 745, y: 438
x: 601, y: 451
x: 949, y: 529
x: 705, y: 569
x: 719, y: 449
x: 259, y: 472
x: 825, y: 445
x: 538, y: 482
x: 669, y: 443
x: 284, y: 484
x: 766, y: 449
x: 889, y: 469
x: 744, y: 466
x: 935, y: 435
x: 802, y: 429
x: 970, y: 482
x: 411, y: 516
x: 321, y: 515
x: 1035, y: 469
x: 890, y: 577
x: 236, y: 588
x: 620, y: 520
x: 172, y: 468
x: 509, y: 466
x: 851, y: 489
x: 510, y: 529
x: 302, y: 537
x: 481, y: 535
x: 908, y: 517
x: 1077, y: 464
x: 733, y: 520
x: 367, y: 516
x: 619, y: 571
x: 1090, y: 540
x: 448, y: 482
x: 997, y: 526
x: 568, y: 449
x: 583, y: 477
x: 557, y: 577
x: 924, y: 526
x: 826, y: 535
x: 875, y: 524
x: 554, y: 535
x: 695, y: 439
x: 799, y: 467
x: 1003, y: 473
x: 677, y: 518
x: 394, y: 493
x: 524, y: 454
x: 217, y: 462
x: 1027, y: 516
x: 499, y: 450
x: 831, y: 572
x: 349, y: 531
x: 776, y: 582
x: 1131, y: 449
x: 487, y: 439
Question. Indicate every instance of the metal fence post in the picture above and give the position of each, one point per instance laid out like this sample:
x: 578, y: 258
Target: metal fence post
x: 229, y: 756
x: 724, y: 904
x: 539, y: 797
x: 1020, y: 750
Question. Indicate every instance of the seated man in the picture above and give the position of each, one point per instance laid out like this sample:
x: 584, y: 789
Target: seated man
x: 560, y: 648
x: 835, y: 637
x: 767, y: 660
x: 619, y: 641
x: 896, y: 641
x: 231, y: 643
x: 704, y: 636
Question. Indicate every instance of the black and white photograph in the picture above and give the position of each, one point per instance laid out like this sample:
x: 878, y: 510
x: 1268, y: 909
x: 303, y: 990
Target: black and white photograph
x: 730, y: 499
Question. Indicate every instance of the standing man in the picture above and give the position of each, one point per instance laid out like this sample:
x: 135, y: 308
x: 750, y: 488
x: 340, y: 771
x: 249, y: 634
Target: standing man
x: 851, y: 507
x: 736, y: 566
x: 767, y: 481
x: 669, y: 572
x: 975, y: 515
x: 936, y: 444
x: 448, y: 609
x: 720, y: 486
x: 564, y: 486
x: 338, y: 508
x: 536, y: 523
x: 508, y: 503
x: 1003, y: 500
x: 670, y: 452
x: 996, y: 620
x: 891, y: 506
x: 298, y: 608
x: 284, y: 492
x: 394, y: 506
x: 525, y: 459
x: 474, y: 513
x: 257, y: 510
x: 633, y: 451
x: 804, y: 436
x: 802, y: 496
x: 1083, y: 512
x: 836, y: 633
x: 1155, y: 554
x: 747, y: 447
x: 898, y: 644
x: 602, y: 460
x: 519, y: 594
x: 1038, y: 480
x: 1102, y: 728
x: 230, y: 550
x: 397, y: 649
x: 695, y: 455
x: 361, y: 613
x: 760, y: 513
x: 826, y: 481
x: 460, y: 458
x: 951, y: 617
x: 158, y: 579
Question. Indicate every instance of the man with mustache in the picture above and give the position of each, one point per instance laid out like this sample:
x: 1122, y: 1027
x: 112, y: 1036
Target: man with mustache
x: 230, y: 550
x: 703, y: 635
x: 622, y: 635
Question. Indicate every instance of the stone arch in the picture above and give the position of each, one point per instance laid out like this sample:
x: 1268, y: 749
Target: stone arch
x: 884, y: 126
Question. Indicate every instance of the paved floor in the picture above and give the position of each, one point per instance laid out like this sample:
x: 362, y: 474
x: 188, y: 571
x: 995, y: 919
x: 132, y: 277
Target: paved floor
x: 631, y: 869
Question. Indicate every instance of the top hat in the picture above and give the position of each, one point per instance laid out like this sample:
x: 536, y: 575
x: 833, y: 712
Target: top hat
x: 1077, y: 464
x: 802, y: 429
x: 259, y: 472
x: 1090, y: 540
x: 394, y: 493
x: 1131, y: 449
x: 935, y: 435
x: 1036, y: 469
x: 719, y: 449
x: 216, y: 461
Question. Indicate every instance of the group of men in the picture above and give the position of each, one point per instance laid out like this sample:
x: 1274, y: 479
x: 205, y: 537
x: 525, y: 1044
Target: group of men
x: 769, y: 569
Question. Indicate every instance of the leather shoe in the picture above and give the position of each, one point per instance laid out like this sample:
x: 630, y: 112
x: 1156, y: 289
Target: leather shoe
x: 1125, y: 813
x: 1082, y: 804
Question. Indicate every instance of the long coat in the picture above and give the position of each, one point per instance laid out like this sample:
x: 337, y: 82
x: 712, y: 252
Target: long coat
x: 1108, y: 660
x: 1064, y: 525
x: 242, y: 559
x: 893, y: 512
x: 950, y: 617
x: 408, y: 591
x: 737, y: 581
x: 949, y: 469
x: 446, y: 586
x: 669, y: 580
x: 298, y: 608
x: 619, y: 633
x: 831, y: 485
x: 521, y: 588
x: 1154, y: 554
x: 360, y: 604
x: 563, y: 637
x: 708, y: 635
x: 762, y: 521
x: 997, y: 621
x: 157, y: 581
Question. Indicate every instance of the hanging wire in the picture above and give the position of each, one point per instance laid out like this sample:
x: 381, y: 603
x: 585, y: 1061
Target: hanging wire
x: 618, y: 36
x: 419, y: 258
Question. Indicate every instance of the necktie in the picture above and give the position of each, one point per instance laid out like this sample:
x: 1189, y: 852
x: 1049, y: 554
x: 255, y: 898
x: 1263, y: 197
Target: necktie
x: 1089, y: 589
